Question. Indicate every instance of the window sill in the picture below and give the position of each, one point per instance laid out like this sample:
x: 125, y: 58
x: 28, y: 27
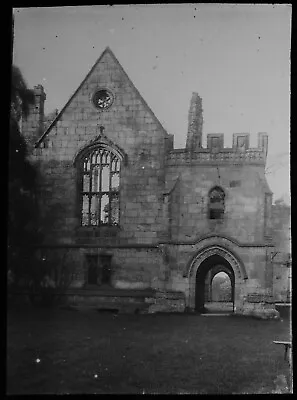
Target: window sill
x: 97, y: 231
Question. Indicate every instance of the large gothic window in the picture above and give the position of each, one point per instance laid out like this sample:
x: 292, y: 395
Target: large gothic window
x: 100, y: 188
x: 216, y: 203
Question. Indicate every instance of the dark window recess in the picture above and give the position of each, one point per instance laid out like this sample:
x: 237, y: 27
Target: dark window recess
x: 92, y: 261
x: 216, y: 203
x: 99, y: 269
x: 105, y: 264
x: 235, y: 183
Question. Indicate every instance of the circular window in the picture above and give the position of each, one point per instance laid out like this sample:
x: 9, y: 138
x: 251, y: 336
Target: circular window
x: 102, y: 99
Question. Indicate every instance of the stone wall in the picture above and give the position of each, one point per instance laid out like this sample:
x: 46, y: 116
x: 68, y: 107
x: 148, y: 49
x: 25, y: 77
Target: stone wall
x: 281, y: 226
x: 253, y: 274
x: 281, y: 235
x: 128, y: 125
x: 131, y: 267
x: 244, y: 202
x: 282, y: 283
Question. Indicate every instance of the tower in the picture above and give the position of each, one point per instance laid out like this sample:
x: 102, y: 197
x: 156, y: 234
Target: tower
x: 32, y: 126
x: 195, y: 123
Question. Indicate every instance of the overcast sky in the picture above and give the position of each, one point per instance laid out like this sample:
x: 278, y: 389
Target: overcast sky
x: 237, y: 57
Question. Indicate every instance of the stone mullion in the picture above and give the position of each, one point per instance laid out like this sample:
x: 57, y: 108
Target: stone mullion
x: 100, y: 188
x: 109, y: 190
x: 84, y: 193
x: 89, y: 194
x: 118, y: 170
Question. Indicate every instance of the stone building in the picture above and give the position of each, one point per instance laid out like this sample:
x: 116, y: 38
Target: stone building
x: 136, y: 215
x: 282, y: 265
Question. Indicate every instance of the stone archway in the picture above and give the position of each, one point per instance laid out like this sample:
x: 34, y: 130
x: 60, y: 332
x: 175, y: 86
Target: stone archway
x: 202, y: 263
x: 219, y: 290
x: 212, y: 275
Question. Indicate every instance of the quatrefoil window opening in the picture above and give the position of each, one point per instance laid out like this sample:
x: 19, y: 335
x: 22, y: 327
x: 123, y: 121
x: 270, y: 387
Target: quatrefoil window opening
x: 102, y: 99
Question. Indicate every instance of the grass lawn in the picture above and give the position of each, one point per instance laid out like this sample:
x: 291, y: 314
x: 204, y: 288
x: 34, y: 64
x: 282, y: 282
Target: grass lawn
x: 92, y: 352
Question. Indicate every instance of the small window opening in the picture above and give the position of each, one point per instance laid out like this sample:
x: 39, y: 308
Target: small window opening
x: 216, y: 203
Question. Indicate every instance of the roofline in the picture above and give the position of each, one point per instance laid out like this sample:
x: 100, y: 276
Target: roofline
x: 107, y: 49
x: 70, y: 99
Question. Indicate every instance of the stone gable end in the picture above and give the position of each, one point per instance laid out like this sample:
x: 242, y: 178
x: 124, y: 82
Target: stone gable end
x: 128, y: 126
x: 128, y: 123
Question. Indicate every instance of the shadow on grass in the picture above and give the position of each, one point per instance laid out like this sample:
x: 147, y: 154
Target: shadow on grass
x: 91, y: 352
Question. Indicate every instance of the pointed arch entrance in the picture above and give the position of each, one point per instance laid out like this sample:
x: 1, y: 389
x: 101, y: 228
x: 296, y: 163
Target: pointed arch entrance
x: 214, y: 258
x: 210, y: 267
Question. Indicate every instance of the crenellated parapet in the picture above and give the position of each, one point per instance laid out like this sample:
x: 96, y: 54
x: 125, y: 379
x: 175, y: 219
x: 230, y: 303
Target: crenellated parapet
x: 216, y: 153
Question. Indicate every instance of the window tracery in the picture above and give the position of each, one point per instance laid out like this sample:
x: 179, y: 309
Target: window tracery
x: 100, y: 187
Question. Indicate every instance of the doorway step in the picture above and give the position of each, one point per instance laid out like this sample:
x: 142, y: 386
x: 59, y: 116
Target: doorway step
x: 216, y: 315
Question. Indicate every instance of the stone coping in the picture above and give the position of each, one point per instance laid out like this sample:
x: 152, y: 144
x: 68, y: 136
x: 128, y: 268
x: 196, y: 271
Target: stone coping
x: 95, y: 246
x: 224, y: 156
x: 113, y: 292
x: 147, y: 246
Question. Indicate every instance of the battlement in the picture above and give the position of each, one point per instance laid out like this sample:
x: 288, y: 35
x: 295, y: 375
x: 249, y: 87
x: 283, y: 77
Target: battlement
x: 216, y: 153
x: 240, y: 142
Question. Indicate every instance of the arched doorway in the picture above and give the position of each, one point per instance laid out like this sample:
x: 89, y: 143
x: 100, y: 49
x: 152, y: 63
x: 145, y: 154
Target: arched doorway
x: 204, y: 260
x: 206, y: 273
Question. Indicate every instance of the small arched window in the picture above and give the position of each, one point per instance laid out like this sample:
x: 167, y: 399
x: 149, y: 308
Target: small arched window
x: 216, y: 203
x: 100, y: 184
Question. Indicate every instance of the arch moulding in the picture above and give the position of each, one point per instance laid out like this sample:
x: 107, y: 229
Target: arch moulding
x: 103, y: 141
x: 192, y: 268
x: 221, y: 268
x: 234, y: 261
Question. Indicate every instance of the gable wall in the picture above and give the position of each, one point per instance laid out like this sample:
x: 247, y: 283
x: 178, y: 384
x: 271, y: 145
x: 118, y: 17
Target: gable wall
x: 131, y: 126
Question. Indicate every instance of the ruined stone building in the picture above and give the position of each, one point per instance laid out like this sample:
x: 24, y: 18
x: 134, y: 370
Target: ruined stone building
x: 135, y: 214
x: 282, y: 265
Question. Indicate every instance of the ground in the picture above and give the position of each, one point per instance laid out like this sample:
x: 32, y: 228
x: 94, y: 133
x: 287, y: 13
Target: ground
x: 63, y: 351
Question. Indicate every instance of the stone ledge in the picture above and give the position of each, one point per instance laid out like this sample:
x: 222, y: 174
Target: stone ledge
x: 168, y: 301
x: 95, y: 246
x: 259, y: 298
x: 122, y: 308
x: 112, y: 292
x: 172, y: 295
x: 270, y: 313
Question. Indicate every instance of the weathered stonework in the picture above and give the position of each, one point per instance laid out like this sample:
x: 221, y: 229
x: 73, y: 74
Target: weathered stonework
x: 165, y: 236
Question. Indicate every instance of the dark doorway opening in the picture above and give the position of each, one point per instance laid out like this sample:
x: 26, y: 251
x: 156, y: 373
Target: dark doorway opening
x: 207, y: 271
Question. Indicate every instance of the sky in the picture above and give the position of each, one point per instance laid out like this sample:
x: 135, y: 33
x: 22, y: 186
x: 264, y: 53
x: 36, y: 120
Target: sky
x: 236, y: 57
